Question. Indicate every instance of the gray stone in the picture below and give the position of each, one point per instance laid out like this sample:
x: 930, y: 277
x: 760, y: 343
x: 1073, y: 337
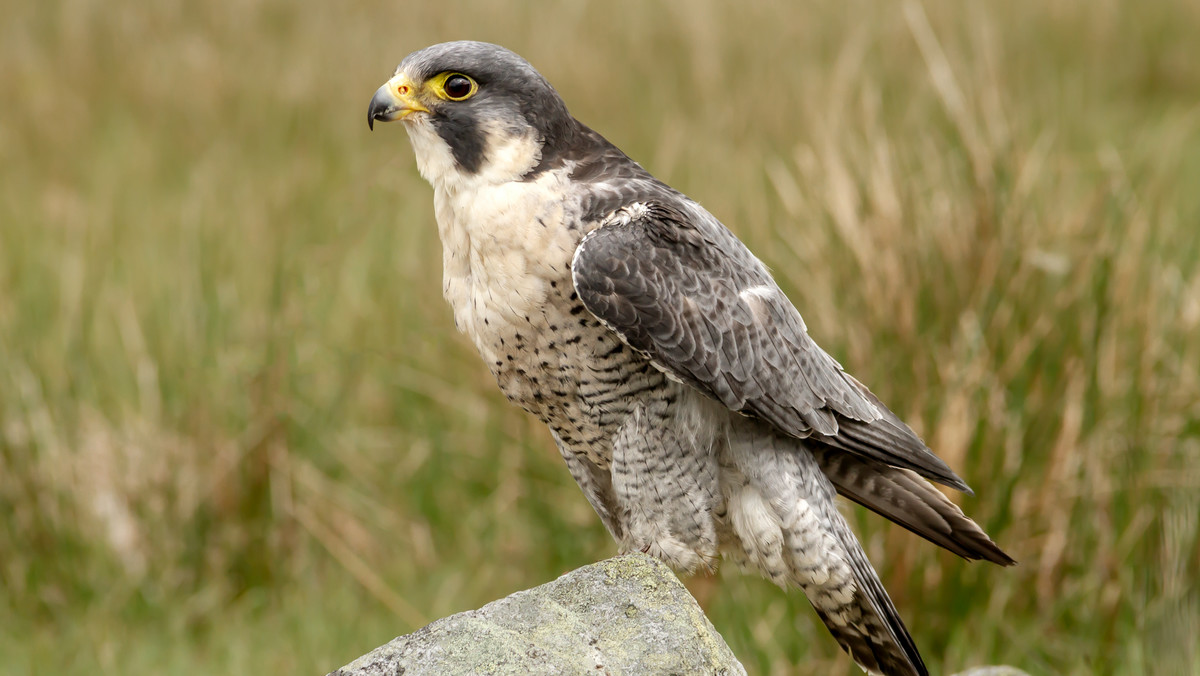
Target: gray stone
x: 626, y: 615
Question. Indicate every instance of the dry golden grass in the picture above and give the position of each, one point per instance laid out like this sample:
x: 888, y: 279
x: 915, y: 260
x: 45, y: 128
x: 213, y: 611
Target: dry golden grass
x: 237, y: 431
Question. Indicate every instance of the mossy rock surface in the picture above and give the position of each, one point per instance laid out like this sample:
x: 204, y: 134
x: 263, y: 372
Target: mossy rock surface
x: 625, y: 615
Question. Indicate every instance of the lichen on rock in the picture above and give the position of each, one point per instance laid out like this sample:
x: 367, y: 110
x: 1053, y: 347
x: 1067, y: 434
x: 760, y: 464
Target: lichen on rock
x: 625, y: 615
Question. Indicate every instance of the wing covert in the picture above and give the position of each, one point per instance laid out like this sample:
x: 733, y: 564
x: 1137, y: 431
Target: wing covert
x: 677, y: 286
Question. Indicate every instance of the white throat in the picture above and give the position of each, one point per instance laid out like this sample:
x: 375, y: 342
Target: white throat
x: 503, y: 239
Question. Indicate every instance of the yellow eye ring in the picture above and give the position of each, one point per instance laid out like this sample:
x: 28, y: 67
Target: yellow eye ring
x: 453, y: 86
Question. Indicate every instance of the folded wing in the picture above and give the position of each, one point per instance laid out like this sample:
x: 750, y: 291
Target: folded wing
x: 679, y: 287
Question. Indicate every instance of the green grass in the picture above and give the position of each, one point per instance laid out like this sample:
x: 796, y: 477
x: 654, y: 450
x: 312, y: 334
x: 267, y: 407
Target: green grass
x: 239, y: 434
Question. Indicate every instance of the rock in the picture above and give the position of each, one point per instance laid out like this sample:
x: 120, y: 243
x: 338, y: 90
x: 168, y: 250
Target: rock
x: 626, y: 615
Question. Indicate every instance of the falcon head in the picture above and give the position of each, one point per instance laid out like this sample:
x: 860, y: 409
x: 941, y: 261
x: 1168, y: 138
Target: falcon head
x: 473, y: 110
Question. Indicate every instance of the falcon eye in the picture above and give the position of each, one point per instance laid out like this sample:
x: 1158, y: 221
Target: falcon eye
x: 458, y: 87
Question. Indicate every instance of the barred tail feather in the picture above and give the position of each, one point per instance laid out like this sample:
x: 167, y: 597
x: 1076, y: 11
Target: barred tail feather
x: 908, y: 500
x: 867, y: 625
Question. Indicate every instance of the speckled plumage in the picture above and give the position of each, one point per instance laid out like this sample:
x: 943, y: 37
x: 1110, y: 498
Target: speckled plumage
x: 679, y: 382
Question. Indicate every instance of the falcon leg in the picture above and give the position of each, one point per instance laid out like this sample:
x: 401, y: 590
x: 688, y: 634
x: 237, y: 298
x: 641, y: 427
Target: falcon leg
x: 664, y: 477
x: 785, y: 522
x: 597, y: 486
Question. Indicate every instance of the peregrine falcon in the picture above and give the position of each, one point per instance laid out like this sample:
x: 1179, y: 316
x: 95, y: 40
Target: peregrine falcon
x: 679, y: 382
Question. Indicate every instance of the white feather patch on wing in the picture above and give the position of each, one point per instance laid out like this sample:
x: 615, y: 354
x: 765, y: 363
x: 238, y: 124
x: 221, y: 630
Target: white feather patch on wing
x: 754, y: 298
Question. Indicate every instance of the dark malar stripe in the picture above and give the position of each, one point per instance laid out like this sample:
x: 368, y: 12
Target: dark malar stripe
x: 460, y: 129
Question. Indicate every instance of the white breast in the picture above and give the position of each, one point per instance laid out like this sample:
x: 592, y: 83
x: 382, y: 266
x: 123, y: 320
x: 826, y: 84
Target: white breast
x: 502, y: 245
x: 503, y: 240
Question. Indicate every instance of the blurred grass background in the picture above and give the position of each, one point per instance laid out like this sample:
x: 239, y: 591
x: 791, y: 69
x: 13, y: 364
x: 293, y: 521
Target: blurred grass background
x: 238, y: 433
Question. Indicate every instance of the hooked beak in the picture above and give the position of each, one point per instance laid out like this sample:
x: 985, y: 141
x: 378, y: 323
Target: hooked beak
x: 395, y: 100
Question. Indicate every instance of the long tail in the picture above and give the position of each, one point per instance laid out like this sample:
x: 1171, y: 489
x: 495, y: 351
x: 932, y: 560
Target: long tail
x: 785, y: 523
x: 867, y: 625
x: 908, y: 500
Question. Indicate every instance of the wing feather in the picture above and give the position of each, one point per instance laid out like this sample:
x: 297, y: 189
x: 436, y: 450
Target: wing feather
x: 676, y: 285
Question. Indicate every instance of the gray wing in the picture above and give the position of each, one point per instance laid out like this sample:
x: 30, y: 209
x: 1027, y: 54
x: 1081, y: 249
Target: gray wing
x: 679, y: 287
